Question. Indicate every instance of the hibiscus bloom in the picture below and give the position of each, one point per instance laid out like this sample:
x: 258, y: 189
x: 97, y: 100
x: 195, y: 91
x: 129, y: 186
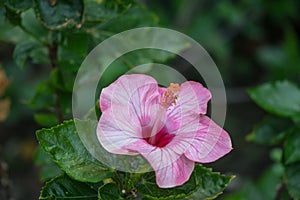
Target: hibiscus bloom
x: 167, y: 126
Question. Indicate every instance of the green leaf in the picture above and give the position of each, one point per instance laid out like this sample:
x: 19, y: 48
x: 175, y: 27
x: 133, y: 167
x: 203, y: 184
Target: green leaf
x: 292, y: 49
x: 77, y: 43
x: 274, y: 58
x: 270, y: 131
x: 109, y: 191
x: 40, y: 55
x: 65, y: 101
x: 66, y: 149
x: 58, y: 14
x: 262, y: 189
x: 46, y: 119
x: 63, y: 80
x: 203, y: 181
x: 281, y: 98
x: 292, y: 175
x: 249, y: 191
x: 22, y: 52
x: 11, y: 34
x: 56, y: 79
x: 33, y: 27
x: 18, y: 5
x: 72, y: 52
x: 49, y: 169
x: 32, y: 42
x: 269, y: 181
x: 2, y: 14
x: 68, y: 60
x: 292, y: 147
x: 63, y: 187
x: 43, y: 97
x: 104, y: 10
x: 13, y: 16
x: 276, y: 155
x: 296, y: 120
x: 135, y: 16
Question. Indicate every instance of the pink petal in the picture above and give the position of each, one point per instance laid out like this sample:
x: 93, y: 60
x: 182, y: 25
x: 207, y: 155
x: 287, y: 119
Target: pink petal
x: 184, y: 134
x: 192, y: 100
x: 157, y: 157
x: 170, y: 168
x: 117, y: 128
x: 210, y: 143
x: 137, y: 92
x: 175, y: 174
x: 193, y: 93
x: 120, y: 90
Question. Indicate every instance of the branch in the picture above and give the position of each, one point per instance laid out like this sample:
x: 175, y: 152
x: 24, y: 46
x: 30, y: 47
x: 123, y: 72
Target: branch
x: 52, y: 51
x: 280, y: 191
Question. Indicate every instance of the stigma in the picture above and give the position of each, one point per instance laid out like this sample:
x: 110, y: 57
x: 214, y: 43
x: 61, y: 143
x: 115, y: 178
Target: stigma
x: 170, y: 96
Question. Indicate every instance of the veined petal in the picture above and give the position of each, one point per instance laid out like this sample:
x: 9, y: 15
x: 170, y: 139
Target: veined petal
x: 210, y: 143
x: 184, y: 134
x: 137, y: 92
x: 157, y: 157
x: 120, y: 90
x: 192, y: 99
x: 175, y: 174
x: 194, y: 93
x: 170, y: 168
x: 117, y: 128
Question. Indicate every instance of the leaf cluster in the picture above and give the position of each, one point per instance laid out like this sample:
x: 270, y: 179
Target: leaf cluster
x: 82, y: 176
x: 281, y: 99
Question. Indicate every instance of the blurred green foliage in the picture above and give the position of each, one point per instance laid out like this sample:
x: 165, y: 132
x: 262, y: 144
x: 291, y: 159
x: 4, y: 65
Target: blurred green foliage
x: 251, y: 41
x: 282, y: 100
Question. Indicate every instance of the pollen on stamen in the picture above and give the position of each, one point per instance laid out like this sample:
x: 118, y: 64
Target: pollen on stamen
x: 170, y: 96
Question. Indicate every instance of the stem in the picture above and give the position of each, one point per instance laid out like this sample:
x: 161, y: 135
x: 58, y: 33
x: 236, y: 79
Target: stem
x: 133, y: 179
x: 119, y: 180
x: 280, y: 191
x: 52, y: 52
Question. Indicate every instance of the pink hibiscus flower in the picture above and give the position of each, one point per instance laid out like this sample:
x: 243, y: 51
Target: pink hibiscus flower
x: 167, y: 126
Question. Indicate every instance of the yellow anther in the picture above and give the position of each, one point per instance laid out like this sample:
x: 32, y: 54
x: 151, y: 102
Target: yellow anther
x: 174, y: 87
x: 170, y: 96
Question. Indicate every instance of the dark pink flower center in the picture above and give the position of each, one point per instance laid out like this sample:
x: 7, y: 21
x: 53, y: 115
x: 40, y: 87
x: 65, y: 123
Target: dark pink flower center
x: 161, y: 139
